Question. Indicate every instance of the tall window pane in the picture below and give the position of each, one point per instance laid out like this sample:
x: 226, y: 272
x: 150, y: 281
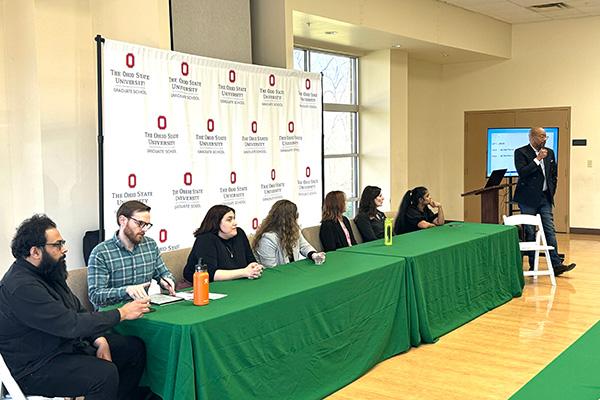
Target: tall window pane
x: 339, y: 132
x: 299, y: 59
x: 339, y: 175
x: 338, y: 79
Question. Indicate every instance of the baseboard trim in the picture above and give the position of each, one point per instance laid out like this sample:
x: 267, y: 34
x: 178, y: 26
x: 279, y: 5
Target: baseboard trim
x: 585, y: 231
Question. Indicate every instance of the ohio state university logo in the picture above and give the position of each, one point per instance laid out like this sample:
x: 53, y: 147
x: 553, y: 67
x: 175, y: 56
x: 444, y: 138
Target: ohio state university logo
x: 291, y: 126
x: 307, y: 172
x: 210, y: 125
x: 132, y: 181
x: 162, y: 122
x: 185, y: 69
x: 162, y: 235
x: 273, y: 174
x: 255, y: 223
x: 232, y: 177
x: 254, y: 127
x: 307, y: 84
x: 129, y: 60
x: 187, y: 178
x: 272, y: 80
x: 231, y: 76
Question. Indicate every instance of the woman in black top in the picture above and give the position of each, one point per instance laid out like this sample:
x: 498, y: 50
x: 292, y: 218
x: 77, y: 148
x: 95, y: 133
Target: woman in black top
x: 223, y: 247
x: 369, y: 219
x: 335, y: 231
x: 415, y: 213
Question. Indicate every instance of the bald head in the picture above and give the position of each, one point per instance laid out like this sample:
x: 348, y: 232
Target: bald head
x: 537, y: 137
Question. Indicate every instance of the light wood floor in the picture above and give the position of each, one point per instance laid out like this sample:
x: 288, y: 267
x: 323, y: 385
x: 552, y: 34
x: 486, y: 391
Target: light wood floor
x: 494, y: 355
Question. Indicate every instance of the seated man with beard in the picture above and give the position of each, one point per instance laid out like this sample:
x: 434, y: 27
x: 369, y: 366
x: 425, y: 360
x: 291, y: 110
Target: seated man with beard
x: 122, y: 267
x: 51, y: 344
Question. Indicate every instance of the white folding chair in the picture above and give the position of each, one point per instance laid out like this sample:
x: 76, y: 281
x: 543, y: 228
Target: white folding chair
x: 537, y: 246
x: 12, y: 388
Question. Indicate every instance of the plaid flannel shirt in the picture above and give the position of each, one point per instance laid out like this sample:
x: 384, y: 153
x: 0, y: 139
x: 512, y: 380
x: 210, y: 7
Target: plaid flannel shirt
x: 112, y: 268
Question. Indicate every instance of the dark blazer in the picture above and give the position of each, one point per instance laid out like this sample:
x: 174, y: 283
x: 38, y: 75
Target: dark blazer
x: 333, y: 237
x: 531, y: 177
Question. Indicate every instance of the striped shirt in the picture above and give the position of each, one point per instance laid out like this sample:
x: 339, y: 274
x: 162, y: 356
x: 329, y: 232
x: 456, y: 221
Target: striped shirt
x: 112, y: 268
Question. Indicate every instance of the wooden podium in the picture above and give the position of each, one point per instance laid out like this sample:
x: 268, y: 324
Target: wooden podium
x: 489, y: 202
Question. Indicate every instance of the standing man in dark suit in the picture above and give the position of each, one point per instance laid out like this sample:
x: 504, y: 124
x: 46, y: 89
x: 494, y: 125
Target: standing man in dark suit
x: 535, y: 190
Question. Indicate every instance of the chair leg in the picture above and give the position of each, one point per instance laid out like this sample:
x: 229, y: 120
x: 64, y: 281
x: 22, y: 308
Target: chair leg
x: 550, y: 267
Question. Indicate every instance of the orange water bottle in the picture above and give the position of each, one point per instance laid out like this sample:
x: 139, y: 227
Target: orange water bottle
x: 200, y: 284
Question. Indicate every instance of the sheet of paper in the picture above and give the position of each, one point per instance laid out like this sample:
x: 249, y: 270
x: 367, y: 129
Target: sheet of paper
x: 190, y: 295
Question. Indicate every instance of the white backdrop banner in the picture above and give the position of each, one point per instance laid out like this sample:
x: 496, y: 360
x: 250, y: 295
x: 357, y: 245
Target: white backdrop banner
x: 183, y: 133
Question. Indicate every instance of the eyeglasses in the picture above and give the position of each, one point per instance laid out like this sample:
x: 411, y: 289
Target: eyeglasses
x: 142, y: 224
x: 59, y: 244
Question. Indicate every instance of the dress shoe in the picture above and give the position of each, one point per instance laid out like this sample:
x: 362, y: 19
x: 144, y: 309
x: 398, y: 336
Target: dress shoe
x: 562, y: 268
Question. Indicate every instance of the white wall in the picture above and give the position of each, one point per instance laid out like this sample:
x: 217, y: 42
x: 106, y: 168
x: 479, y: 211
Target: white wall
x: 553, y: 64
x: 48, y: 107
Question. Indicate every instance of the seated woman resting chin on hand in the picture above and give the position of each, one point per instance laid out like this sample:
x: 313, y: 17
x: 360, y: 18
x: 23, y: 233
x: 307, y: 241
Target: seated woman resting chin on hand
x: 415, y: 212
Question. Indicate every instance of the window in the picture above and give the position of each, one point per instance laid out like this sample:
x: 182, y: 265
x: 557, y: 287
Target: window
x: 340, y: 119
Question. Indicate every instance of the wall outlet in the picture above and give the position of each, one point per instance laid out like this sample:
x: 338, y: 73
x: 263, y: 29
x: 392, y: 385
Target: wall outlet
x: 589, y: 163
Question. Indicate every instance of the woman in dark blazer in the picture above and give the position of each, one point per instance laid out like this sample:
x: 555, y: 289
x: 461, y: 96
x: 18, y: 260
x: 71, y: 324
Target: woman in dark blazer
x: 335, y: 231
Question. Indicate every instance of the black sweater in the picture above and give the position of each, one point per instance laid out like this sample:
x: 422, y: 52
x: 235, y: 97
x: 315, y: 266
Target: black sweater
x: 219, y: 253
x: 40, y: 319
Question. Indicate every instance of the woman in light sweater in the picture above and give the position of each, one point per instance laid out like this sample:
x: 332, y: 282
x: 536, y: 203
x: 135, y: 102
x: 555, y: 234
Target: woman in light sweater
x: 278, y: 240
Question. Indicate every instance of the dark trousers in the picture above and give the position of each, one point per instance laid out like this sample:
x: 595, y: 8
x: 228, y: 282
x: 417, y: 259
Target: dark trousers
x: 545, y: 211
x: 72, y: 375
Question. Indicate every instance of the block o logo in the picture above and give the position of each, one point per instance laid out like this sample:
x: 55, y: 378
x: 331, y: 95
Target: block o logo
x: 231, y: 76
x: 254, y: 127
x: 291, y: 126
x: 129, y: 60
x: 210, y: 125
x: 162, y: 122
x: 162, y: 235
x: 233, y: 177
x: 307, y: 84
x: 272, y: 80
x: 185, y: 69
x: 187, y: 178
x: 255, y: 223
x: 273, y: 174
x: 132, y: 180
x: 307, y: 172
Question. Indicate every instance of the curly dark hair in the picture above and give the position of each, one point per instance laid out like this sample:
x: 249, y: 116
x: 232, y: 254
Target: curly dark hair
x: 283, y: 220
x: 31, y: 233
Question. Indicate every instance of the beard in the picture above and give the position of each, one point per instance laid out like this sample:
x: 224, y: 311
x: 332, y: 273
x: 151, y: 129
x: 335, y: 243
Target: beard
x: 53, y: 270
x: 133, y: 238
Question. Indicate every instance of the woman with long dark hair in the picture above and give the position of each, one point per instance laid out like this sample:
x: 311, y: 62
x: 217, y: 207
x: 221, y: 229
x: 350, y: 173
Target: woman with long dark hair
x: 335, y: 231
x: 415, y: 212
x: 369, y: 219
x: 279, y: 241
x: 223, y: 247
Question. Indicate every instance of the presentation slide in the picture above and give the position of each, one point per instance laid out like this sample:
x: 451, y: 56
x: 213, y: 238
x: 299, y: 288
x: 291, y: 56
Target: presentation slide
x: 502, y: 143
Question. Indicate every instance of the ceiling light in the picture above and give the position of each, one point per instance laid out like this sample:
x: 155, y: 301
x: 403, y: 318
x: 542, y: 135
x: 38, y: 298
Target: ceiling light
x: 331, y: 33
x: 445, y: 55
x: 396, y: 46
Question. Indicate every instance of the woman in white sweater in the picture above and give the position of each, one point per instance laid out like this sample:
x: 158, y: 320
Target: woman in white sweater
x: 278, y: 240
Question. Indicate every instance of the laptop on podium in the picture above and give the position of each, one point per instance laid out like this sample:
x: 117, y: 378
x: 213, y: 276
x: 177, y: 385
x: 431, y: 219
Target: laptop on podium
x: 495, y: 178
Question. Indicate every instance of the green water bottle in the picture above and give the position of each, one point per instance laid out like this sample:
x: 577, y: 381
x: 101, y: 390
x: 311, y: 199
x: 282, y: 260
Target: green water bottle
x: 388, y: 230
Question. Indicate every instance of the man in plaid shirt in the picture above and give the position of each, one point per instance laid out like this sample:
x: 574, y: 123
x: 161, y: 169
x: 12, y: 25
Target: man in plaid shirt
x: 122, y: 267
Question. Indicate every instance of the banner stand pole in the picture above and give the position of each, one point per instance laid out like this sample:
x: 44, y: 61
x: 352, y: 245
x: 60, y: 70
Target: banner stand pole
x: 99, y: 40
x: 322, y: 147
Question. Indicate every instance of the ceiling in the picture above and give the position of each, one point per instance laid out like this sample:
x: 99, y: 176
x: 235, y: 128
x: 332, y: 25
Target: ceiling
x: 324, y: 33
x: 522, y: 11
x: 315, y: 32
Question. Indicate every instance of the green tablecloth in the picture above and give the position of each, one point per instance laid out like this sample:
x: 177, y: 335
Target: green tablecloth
x: 301, y: 331
x: 573, y: 375
x: 455, y: 273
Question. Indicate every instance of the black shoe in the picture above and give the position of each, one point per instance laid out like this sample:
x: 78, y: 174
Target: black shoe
x: 562, y: 268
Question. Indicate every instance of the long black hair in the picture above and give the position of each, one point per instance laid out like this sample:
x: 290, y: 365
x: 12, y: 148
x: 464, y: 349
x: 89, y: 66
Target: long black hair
x: 411, y: 197
x: 367, y: 200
